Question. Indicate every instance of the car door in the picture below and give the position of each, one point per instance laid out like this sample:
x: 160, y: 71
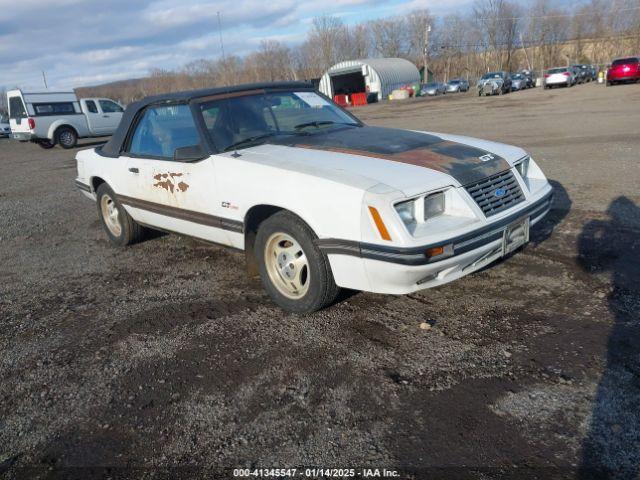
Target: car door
x: 178, y: 196
x: 111, y: 113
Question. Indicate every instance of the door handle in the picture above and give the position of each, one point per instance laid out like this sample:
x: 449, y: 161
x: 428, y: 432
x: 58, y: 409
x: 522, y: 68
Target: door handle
x: 105, y: 116
x: 134, y: 170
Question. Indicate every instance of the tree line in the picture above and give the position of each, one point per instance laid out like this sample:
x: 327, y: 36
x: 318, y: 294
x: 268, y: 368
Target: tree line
x: 493, y: 35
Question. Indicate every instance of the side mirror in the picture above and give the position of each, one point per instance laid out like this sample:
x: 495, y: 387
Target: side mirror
x: 191, y: 153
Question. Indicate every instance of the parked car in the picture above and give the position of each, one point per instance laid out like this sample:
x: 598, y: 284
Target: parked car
x: 559, y: 77
x: 49, y: 118
x: 494, y: 83
x: 624, y: 70
x: 530, y: 78
x: 315, y: 198
x: 457, y: 85
x: 434, y: 88
x: 584, y: 73
x: 5, y: 128
x: 518, y: 82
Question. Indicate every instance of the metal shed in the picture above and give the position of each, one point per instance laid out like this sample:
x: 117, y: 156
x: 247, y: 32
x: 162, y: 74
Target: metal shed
x: 371, y: 75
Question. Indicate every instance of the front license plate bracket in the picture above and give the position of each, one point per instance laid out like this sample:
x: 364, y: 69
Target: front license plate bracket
x: 515, y: 236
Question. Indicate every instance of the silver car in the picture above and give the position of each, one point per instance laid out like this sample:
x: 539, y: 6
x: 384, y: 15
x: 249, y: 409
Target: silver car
x: 518, y: 82
x: 434, y: 88
x: 457, y: 85
x: 5, y: 129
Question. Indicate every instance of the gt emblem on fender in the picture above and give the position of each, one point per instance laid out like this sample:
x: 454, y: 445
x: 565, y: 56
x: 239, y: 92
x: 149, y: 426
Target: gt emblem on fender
x: 487, y: 157
x: 500, y: 192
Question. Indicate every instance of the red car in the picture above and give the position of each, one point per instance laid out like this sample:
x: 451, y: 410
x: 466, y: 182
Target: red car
x: 624, y: 70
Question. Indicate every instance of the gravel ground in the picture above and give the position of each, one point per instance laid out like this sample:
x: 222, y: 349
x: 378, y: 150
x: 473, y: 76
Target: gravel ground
x: 164, y: 359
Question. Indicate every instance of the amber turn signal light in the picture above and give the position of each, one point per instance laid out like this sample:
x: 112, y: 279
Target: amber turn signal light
x: 434, y: 252
x: 377, y: 219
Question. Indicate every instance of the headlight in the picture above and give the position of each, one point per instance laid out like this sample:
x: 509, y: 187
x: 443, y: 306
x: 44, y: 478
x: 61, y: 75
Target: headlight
x: 433, y: 205
x: 523, y: 167
x: 407, y: 211
x: 421, y: 209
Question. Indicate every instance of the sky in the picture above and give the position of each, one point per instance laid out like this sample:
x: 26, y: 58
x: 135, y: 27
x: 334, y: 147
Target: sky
x: 88, y: 42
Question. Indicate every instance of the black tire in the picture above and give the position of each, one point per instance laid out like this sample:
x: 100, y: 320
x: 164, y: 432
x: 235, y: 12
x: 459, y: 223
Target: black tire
x: 130, y: 231
x: 66, y: 137
x: 46, y: 144
x: 322, y: 290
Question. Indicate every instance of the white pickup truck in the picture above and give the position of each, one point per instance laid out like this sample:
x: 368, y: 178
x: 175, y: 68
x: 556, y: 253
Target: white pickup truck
x: 50, y: 118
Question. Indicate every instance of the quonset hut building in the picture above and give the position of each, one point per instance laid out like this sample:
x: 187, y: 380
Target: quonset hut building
x: 371, y: 76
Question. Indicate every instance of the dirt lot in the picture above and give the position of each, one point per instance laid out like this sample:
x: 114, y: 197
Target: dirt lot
x: 163, y: 355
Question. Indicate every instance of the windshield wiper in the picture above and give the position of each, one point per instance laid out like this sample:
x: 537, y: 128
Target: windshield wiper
x: 250, y: 140
x: 318, y: 124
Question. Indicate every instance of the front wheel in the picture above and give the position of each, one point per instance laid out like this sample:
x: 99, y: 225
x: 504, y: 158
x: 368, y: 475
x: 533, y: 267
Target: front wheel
x: 295, y: 273
x: 117, y: 223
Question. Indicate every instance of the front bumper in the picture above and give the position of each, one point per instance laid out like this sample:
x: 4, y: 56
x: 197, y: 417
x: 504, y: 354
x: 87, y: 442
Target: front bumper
x: 398, y: 270
x: 490, y: 89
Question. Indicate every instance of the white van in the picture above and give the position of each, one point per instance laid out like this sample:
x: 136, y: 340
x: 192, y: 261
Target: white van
x: 50, y: 118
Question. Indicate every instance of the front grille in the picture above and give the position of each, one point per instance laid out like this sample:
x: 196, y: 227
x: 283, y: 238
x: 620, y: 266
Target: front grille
x: 484, y: 195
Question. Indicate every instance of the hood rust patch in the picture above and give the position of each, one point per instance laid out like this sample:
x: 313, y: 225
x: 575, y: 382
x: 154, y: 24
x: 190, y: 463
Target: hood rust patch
x: 466, y: 169
x: 168, y: 182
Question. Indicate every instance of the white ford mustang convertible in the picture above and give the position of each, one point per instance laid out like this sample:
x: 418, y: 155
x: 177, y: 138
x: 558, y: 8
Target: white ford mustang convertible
x: 315, y: 198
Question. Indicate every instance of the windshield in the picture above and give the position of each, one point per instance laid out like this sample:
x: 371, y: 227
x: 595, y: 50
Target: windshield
x: 4, y: 119
x: 247, y: 120
x: 517, y: 77
x: 454, y: 82
x: 557, y: 70
x: 487, y: 76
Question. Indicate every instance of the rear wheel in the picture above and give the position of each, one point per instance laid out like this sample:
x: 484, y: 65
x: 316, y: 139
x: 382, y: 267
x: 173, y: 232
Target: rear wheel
x: 117, y: 223
x: 67, y: 137
x: 295, y: 273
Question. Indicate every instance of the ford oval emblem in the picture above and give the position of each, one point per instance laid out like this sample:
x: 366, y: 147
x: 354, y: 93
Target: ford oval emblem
x: 500, y: 192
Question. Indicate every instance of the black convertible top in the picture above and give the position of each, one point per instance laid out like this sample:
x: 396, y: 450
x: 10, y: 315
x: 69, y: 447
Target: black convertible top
x: 114, y: 146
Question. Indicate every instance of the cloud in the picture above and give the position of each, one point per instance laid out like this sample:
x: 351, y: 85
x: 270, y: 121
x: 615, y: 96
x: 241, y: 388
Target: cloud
x: 81, y: 42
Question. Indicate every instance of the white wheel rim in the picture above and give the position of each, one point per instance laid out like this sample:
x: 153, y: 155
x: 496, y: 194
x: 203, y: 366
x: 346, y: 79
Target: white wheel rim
x: 111, y: 215
x: 287, y: 265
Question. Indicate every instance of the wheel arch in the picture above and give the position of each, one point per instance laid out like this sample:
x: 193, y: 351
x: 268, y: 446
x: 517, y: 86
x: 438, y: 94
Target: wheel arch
x: 64, y: 125
x: 95, y: 182
x: 252, y: 220
x: 52, y: 132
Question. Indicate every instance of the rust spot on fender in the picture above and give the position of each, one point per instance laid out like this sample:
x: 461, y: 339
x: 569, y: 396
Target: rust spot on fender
x: 168, y: 182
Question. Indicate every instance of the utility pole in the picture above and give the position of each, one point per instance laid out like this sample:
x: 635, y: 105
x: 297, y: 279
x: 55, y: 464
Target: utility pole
x: 44, y: 79
x: 221, y: 42
x: 425, y: 76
